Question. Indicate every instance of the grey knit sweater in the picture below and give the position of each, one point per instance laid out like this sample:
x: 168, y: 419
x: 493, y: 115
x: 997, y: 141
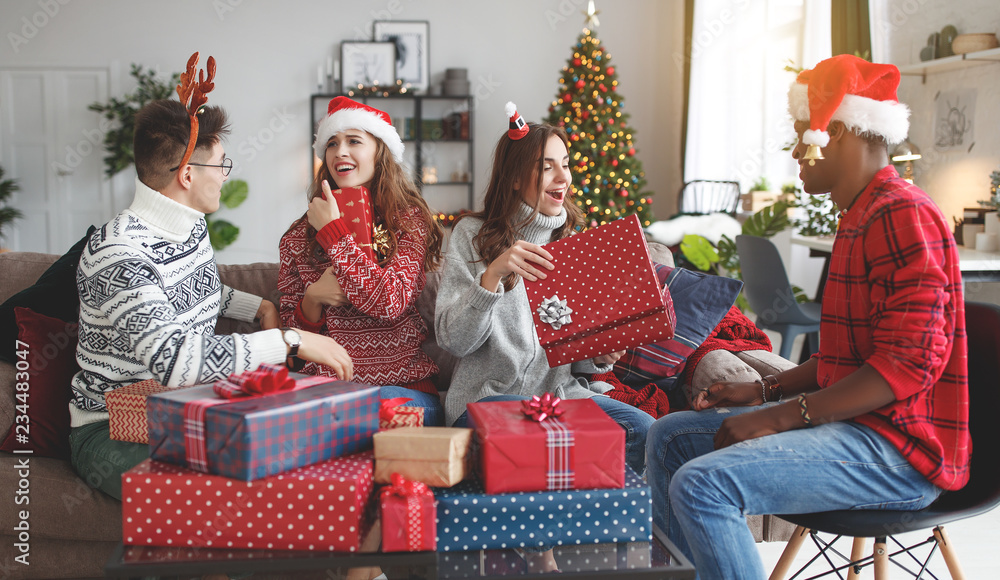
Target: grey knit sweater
x: 493, y: 332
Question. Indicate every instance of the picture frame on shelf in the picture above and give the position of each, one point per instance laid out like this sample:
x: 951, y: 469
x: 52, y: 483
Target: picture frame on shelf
x: 367, y: 64
x: 411, y: 39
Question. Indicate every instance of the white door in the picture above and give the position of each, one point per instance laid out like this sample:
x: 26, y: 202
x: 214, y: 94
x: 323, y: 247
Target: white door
x: 53, y: 145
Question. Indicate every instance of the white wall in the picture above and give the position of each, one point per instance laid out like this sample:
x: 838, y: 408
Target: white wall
x: 954, y: 179
x: 267, y: 54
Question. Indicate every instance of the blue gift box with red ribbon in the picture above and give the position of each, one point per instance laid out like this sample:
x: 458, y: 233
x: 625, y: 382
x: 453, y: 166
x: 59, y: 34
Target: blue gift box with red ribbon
x: 251, y: 427
x: 470, y: 519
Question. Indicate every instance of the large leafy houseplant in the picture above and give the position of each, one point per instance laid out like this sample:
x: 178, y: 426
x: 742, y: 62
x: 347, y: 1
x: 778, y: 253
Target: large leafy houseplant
x: 8, y: 187
x: 120, y: 156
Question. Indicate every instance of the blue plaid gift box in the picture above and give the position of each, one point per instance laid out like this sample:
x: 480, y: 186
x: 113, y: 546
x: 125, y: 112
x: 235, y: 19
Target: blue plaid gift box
x: 470, y: 519
x: 248, y: 439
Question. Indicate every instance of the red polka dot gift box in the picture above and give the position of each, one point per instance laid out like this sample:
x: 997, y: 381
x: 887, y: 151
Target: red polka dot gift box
x: 601, y: 297
x: 579, y: 448
x: 250, y: 437
x: 321, y: 507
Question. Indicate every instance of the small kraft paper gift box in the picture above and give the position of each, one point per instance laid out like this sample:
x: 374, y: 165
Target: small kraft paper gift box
x: 322, y: 507
x: 127, y: 410
x: 432, y: 455
x: 601, y: 297
x: 408, y: 514
x: 248, y: 437
x: 575, y: 445
x: 470, y: 519
x: 394, y: 414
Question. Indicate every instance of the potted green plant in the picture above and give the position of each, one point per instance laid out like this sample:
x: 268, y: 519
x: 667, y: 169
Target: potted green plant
x: 7, y: 213
x: 759, y: 195
x: 222, y: 232
x: 820, y: 214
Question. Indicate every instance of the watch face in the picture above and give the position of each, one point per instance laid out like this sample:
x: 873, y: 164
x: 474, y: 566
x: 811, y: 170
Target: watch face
x: 291, y: 337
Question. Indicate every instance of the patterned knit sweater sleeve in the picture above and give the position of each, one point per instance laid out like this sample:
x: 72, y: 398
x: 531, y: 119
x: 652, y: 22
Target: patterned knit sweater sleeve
x: 239, y: 305
x: 294, y: 244
x: 383, y: 293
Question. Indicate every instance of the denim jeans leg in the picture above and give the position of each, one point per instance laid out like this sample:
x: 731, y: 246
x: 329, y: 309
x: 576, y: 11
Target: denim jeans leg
x: 463, y: 419
x: 636, y: 424
x: 431, y: 404
x: 834, y: 466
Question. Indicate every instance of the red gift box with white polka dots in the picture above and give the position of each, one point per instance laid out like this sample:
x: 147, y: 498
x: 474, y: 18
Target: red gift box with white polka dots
x: 601, y: 297
x: 321, y: 507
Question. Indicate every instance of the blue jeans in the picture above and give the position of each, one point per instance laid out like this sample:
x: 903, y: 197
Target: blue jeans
x: 431, y: 404
x: 700, y: 495
x: 635, y: 422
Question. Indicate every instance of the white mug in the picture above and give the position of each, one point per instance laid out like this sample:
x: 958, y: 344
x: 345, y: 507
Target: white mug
x: 986, y: 242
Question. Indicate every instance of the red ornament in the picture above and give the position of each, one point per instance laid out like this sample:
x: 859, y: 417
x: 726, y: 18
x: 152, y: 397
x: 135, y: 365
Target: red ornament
x: 593, y: 209
x: 585, y: 114
x: 600, y: 127
x: 623, y: 193
x: 567, y: 98
x: 574, y: 137
x: 614, y: 163
x: 580, y: 84
x: 611, y: 70
x: 611, y: 121
x: 576, y: 62
x: 603, y: 88
x: 603, y: 153
x: 611, y: 204
x: 631, y: 151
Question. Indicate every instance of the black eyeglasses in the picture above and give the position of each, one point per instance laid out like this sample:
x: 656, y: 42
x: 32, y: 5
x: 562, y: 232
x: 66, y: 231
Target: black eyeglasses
x: 226, y: 165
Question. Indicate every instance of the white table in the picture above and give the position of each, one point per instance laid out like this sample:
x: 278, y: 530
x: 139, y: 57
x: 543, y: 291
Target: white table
x: 976, y: 266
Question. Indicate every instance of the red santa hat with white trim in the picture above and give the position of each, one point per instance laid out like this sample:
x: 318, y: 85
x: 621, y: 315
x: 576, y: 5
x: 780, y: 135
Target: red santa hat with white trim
x: 858, y: 93
x: 343, y: 114
x: 517, y: 126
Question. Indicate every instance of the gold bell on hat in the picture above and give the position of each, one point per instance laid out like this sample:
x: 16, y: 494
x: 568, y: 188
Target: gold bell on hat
x: 812, y: 154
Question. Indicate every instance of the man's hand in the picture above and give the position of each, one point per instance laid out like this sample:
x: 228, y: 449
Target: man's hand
x: 728, y: 395
x: 323, y: 208
x: 327, y: 290
x: 326, y: 351
x: 267, y: 314
x: 608, y: 359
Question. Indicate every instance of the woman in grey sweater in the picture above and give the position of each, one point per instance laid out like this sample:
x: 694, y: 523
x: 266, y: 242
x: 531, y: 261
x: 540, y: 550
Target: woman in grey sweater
x: 482, y: 313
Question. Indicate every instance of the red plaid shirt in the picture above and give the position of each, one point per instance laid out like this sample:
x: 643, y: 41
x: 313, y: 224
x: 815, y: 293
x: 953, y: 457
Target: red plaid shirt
x: 893, y: 299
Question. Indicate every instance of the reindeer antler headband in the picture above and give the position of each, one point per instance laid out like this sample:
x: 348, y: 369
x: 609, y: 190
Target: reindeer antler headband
x: 193, y: 95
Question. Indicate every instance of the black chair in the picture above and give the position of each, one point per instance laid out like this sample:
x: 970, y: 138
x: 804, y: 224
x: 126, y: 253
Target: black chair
x: 703, y: 197
x: 770, y: 295
x: 979, y: 496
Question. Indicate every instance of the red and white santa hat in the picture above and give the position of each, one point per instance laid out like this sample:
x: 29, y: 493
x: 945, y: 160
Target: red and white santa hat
x: 858, y: 93
x: 343, y: 114
x: 518, y: 126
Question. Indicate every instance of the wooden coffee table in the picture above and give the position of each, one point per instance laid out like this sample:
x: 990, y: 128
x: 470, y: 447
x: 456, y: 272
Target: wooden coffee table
x: 656, y: 559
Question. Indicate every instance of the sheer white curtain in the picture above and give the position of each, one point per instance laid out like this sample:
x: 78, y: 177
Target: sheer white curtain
x: 737, y: 113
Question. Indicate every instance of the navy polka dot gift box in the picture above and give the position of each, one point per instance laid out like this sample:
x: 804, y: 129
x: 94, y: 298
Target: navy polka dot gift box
x: 470, y: 519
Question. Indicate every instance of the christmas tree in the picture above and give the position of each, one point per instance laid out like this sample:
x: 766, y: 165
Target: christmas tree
x: 608, y: 177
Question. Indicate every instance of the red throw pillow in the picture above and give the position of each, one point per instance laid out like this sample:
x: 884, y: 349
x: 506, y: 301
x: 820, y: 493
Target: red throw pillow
x: 46, y: 354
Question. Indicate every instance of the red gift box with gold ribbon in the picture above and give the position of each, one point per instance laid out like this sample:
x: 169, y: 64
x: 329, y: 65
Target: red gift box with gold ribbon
x: 602, y: 296
x: 575, y: 445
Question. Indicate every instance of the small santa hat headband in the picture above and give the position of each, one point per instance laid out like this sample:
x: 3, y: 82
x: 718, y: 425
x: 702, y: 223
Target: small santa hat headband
x: 858, y: 93
x: 193, y: 95
x: 518, y: 127
x: 343, y: 114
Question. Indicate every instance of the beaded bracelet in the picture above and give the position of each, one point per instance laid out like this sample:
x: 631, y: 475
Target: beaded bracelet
x: 804, y: 410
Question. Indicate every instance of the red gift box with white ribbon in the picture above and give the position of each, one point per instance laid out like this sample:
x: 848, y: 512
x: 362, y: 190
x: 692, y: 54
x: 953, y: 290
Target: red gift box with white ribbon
x: 602, y: 296
x: 317, y: 508
x: 575, y: 445
x: 409, y: 515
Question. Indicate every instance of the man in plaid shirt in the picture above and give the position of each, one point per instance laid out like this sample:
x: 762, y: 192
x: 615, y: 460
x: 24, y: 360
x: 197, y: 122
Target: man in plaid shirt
x: 878, y: 419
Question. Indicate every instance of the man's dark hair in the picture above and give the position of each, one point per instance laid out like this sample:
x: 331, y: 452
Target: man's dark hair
x: 162, y: 130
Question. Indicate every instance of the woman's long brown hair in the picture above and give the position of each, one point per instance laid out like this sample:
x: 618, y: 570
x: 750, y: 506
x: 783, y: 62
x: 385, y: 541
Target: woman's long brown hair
x: 517, y: 162
x: 392, y: 194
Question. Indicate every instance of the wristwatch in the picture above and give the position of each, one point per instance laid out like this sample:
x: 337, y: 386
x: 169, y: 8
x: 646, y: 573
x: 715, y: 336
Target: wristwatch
x: 293, y: 339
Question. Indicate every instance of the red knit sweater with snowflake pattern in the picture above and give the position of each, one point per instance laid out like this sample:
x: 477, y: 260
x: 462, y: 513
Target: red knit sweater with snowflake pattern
x: 380, y: 329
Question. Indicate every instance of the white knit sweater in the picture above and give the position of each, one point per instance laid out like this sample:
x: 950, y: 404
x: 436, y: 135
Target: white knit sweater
x: 150, y: 295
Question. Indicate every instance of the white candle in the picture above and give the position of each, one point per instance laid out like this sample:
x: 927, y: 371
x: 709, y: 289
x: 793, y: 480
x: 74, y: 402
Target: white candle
x: 336, y: 70
x: 329, y: 66
x: 319, y: 76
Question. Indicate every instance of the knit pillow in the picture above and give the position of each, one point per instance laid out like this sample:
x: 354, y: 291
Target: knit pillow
x: 54, y: 294
x: 46, y: 355
x: 700, y: 302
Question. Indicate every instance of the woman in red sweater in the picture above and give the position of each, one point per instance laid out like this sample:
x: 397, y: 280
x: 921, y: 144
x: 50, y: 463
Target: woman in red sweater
x: 329, y: 282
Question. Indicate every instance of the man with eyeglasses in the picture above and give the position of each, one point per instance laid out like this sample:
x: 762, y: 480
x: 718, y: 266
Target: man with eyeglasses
x: 150, y: 292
